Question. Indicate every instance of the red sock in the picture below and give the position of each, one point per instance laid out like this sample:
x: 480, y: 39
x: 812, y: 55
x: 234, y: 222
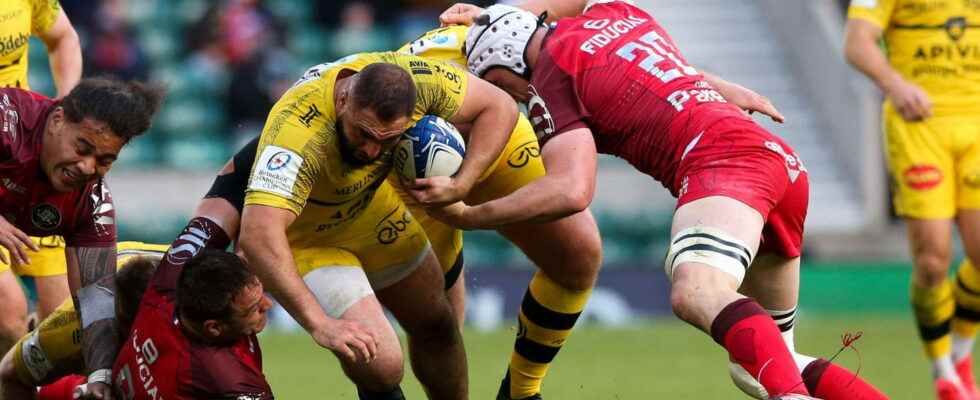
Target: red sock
x: 832, y: 382
x: 61, y: 389
x: 754, y: 342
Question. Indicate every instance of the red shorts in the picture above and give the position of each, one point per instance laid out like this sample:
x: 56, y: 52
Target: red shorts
x: 741, y: 160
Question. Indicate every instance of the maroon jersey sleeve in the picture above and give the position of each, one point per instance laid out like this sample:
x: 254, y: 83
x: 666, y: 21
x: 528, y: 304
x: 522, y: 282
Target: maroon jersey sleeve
x: 555, y: 106
x: 22, y: 116
x: 199, y: 233
x: 96, y: 225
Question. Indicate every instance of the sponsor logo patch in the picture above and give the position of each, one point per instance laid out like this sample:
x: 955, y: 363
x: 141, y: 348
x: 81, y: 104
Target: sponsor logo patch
x: 922, y: 177
x: 276, y: 171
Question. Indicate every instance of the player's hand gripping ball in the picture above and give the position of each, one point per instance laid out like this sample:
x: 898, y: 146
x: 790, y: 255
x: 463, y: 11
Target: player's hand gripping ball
x: 433, y: 147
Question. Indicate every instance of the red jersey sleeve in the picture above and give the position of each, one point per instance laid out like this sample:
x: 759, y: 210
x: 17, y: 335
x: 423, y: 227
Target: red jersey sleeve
x: 555, y: 106
x: 96, y: 219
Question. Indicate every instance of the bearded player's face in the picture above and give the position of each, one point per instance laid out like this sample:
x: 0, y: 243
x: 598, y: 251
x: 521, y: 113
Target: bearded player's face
x: 364, y: 138
x: 513, y: 84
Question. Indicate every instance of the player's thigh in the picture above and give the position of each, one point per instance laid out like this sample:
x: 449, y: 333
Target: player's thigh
x: 773, y: 281
x: 52, y: 350
x: 921, y: 164
x: 419, y: 301
x: 52, y: 290
x: 568, y: 250
x: 722, y: 219
x: 14, y: 304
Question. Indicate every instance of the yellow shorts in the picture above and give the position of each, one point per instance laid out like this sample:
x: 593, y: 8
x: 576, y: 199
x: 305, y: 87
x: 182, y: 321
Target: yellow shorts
x: 384, y: 240
x: 934, y: 164
x: 519, y: 164
x: 53, y: 349
x: 49, y: 261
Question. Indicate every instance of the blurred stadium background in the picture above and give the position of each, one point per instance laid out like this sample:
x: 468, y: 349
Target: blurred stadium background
x: 227, y: 61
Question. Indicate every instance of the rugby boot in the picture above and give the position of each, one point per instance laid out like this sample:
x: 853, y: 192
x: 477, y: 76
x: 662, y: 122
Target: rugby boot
x: 504, y: 392
x: 950, y: 390
x: 964, y: 368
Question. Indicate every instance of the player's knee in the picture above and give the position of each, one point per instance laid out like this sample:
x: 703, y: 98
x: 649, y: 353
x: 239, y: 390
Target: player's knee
x: 439, y: 329
x: 931, y: 267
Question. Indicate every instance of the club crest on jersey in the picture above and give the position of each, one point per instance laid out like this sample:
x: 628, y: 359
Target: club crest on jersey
x: 956, y: 28
x: 45, y: 216
x: 539, y: 115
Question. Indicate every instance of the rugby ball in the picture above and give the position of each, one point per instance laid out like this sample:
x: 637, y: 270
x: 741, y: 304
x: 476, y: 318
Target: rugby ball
x: 433, y: 147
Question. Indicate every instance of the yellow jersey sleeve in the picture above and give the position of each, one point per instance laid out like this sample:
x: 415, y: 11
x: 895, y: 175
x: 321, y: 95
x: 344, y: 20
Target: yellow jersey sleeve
x: 878, y: 12
x: 443, y: 44
x: 43, y: 15
x: 441, y: 87
x: 291, y: 150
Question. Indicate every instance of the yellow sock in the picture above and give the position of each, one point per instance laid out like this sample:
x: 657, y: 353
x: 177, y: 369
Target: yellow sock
x: 967, y: 295
x: 548, y: 314
x: 934, y: 309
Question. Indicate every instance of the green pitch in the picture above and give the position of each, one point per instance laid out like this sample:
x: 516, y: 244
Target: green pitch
x: 658, y: 359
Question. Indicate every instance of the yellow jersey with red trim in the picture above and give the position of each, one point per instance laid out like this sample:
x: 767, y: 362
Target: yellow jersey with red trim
x: 932, y: 43
x: 299, y: 159
x: 19, y: 19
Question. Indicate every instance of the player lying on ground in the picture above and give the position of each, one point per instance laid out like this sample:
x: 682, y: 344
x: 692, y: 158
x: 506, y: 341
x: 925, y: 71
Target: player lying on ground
x: 612, y: 81
x: 52, y: 352
x: 53, y: 155
x: 211, y: 353
x: 568, y: 251
x: 329, y: 236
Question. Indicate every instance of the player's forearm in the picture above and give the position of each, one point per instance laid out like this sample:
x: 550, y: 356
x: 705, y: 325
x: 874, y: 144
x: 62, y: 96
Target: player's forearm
x: 66, y: 62
x: 862, y: 51
x: 488, y: 136
x: 543, y: 200
x: 269, y: 256
x: 95, y: 269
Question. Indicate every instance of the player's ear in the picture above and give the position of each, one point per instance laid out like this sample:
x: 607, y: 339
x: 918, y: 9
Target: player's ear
x: 57, y: 119
x: 212, y: 328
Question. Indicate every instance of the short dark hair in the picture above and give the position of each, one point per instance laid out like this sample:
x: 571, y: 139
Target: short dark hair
x: 386, y: 89
x: 126, y: 107
x: 131, y: 282
x: 209, y: 283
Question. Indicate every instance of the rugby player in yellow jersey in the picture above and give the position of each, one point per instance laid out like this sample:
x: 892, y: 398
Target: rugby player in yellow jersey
x: 19, y: 20
x: 930, y: 75
x: 330, y: 238
x: 53, y: 350
x: 567, y: 251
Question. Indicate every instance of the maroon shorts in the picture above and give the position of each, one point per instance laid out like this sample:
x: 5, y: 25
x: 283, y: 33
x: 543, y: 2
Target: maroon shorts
x: 741, y: 160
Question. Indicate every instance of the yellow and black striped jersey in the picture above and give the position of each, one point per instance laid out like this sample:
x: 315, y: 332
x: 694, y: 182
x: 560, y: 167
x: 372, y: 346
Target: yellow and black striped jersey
x: 933, y: 43
x: 19, y: 19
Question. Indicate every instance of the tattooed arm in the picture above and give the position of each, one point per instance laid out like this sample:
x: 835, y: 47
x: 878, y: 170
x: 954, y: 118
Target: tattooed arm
x: 90, y: 276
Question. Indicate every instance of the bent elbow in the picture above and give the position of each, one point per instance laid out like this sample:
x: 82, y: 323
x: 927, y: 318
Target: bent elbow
x: 577, y: 200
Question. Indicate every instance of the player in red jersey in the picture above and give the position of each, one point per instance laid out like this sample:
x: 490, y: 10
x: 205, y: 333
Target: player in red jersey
x: 611, y: 80
x: 194, y: 334
x: 53, y: 155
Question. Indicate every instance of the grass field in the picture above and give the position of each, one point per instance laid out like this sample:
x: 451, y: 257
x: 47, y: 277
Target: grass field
x: 658, y: 359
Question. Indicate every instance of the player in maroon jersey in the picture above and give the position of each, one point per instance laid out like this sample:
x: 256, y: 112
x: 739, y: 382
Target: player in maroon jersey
x: 53, y: 156
x: 194, y: 334
x: 611, y: 80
